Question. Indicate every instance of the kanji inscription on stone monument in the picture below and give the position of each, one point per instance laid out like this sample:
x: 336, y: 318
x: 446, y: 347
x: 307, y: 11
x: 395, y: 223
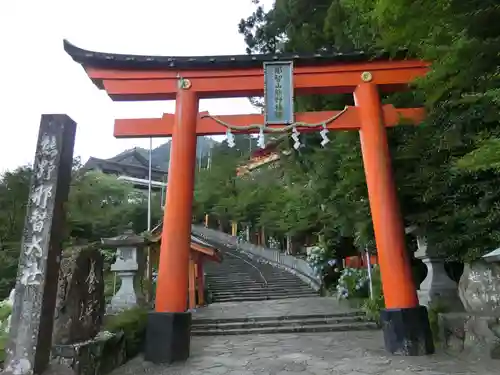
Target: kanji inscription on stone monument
x: 28, y: 349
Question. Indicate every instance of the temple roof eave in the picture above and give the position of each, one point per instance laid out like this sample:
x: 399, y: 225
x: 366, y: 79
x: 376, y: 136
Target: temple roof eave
x: 94, y: 59
x: 197, y: 245
x: 103, y: 163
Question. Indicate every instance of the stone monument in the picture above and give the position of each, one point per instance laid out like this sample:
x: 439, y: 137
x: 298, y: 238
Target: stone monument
x: 78, y: 344
x: 129, y: 261
x: 29, y: 344
x: 478, y: 329
x: 80, y: 303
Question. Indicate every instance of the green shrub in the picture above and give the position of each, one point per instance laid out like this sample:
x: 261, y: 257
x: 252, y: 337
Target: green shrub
x: 133, y: 325
x: 8, y: 269
x: 373, y: 306
x: 3, y: 344
x: 111, y: 285
x: 433, y: 312
x: 5, y: 311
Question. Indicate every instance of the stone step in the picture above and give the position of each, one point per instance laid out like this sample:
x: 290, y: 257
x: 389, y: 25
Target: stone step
x: 239, y: 280
x: 285, y: 279
x: 246, y: 277
x: 234, y: 281
x: 276, y: 322
x: 333, y: 315
x: 236, y: 285
x: 256, y: 285
x: 358, y: 326
x: 259, y: 292
x: 227, y: 281
x: 263, y: 297
x: 222, y: 292
x: 247, y: 286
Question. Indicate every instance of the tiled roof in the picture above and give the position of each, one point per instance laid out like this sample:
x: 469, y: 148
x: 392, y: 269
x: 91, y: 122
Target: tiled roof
x: 141, y: 62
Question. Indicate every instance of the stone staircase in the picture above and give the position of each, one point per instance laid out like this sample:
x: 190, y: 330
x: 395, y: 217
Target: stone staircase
x: 252, y: 297
x: 292, y: 315
x: 240, y: 278
x: 353, y: 321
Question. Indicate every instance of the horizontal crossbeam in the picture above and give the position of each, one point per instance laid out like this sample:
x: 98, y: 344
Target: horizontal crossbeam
x: 123, y: 85
x: 207, y: 125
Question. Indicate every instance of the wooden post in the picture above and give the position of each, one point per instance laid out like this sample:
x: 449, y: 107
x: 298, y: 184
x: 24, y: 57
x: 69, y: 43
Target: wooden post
x: 192, y: 283
x: 397, y: 279
x: 206, y: 220
x: 200, y: 279
x: 149, y: 275
x: 172, y: 283
x: 30, y: 336
x: 407, y: 328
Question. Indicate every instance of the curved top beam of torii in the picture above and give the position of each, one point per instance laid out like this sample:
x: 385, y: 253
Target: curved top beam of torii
x: 134, y: 77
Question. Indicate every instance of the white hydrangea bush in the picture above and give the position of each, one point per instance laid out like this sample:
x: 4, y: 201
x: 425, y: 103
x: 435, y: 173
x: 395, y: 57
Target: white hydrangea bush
x: 353, y: 283
x: 318, y: 258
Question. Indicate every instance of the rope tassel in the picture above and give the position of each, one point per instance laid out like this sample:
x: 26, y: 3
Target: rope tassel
x: 261, y: 142
x: 324, y: 136
x: 295, y: 137
x: 230, y: 138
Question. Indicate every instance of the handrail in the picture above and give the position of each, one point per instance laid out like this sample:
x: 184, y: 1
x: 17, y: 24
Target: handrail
x: 248, y: 262
x: 231, y: 253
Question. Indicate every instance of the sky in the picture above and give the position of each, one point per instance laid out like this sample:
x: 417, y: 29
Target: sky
x: 37, y: 76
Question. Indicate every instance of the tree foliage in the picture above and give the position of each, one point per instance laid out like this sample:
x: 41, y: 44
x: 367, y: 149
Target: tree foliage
x: 99, y: 206
x: 446, y: 169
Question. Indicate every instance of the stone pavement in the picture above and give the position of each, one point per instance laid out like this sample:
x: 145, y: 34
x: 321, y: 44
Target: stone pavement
x: 353, y: 353
x: 339, y: 353
x: 272, y: 308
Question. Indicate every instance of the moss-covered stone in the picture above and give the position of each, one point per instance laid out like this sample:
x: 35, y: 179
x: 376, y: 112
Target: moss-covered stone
x: 133, y: 325
x: 95, y: 357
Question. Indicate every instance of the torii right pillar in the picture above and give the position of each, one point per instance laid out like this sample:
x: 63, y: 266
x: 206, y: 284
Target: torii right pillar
x: 404, y: 322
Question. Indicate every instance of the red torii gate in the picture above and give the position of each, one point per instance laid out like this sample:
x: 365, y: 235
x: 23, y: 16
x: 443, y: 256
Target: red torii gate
x: 188, y: 79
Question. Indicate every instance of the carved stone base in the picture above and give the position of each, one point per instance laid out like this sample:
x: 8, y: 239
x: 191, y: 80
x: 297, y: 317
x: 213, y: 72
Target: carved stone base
x: 126, y: 297
x: 448, y: 299
x: 438, y: 288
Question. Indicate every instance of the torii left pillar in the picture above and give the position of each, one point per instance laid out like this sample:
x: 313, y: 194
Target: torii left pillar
x: 169, y: 326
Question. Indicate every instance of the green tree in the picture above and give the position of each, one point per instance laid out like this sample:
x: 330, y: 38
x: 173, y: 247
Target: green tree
x: 456, y: 207
x: 14, y: 191
x: 99, y: 206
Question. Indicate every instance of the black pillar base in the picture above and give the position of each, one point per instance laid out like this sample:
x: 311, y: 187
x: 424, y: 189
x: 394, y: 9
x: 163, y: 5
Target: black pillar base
x: 407, y: 331
x: 168, y: 337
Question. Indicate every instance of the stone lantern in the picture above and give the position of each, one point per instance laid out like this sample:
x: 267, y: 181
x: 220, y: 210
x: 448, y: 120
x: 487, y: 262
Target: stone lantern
x: 437, y: 286
x: 492, y: 257
x: 128, y: 262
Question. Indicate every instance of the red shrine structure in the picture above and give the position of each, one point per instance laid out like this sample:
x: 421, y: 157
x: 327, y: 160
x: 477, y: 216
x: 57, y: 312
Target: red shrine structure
x: 279, y: 78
